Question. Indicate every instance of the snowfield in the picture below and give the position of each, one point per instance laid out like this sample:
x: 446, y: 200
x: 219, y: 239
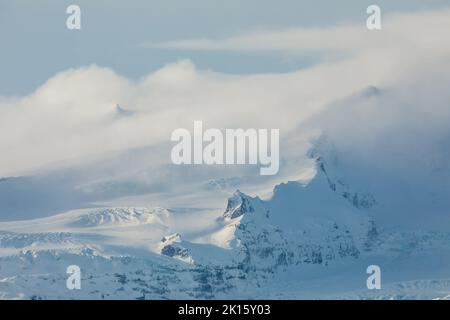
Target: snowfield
x: 308, y: 241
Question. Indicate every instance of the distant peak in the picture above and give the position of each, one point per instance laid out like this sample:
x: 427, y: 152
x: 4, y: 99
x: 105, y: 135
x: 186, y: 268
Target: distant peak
x: 122, y: 112
x: 371, y: 91
x: 240, y: 203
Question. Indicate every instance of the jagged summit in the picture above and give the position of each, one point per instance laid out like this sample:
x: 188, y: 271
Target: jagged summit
x: 300, y: 229
x: 329, y: 168
x: 240, y: 204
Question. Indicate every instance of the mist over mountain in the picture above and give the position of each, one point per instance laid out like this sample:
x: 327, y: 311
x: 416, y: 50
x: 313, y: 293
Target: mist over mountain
x: 86, y: 176
x: 241, y: 249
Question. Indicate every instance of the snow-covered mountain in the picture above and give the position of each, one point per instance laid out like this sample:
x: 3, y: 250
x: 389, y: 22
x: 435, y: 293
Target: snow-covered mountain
x: 309, y: 240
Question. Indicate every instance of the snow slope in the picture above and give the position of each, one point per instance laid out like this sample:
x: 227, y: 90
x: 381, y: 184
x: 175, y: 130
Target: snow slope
x: 309, y: 240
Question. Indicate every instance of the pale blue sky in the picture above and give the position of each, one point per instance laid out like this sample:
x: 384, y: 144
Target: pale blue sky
x: 35, y: 43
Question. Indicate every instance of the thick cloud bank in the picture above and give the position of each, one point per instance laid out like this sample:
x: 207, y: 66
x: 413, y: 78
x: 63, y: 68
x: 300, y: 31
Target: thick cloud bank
x: 382, y: 97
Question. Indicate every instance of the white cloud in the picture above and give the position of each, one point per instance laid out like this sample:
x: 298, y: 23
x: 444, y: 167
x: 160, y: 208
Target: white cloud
x: 72, y: 116
x: 406, y: 31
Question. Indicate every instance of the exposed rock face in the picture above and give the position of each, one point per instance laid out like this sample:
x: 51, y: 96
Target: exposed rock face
x: 172, y: 246
x: 240, y: 204
x: 262, y: 245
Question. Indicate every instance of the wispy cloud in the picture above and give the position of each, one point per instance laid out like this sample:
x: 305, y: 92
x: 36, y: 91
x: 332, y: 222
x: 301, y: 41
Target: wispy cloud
x: 405, y: 31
